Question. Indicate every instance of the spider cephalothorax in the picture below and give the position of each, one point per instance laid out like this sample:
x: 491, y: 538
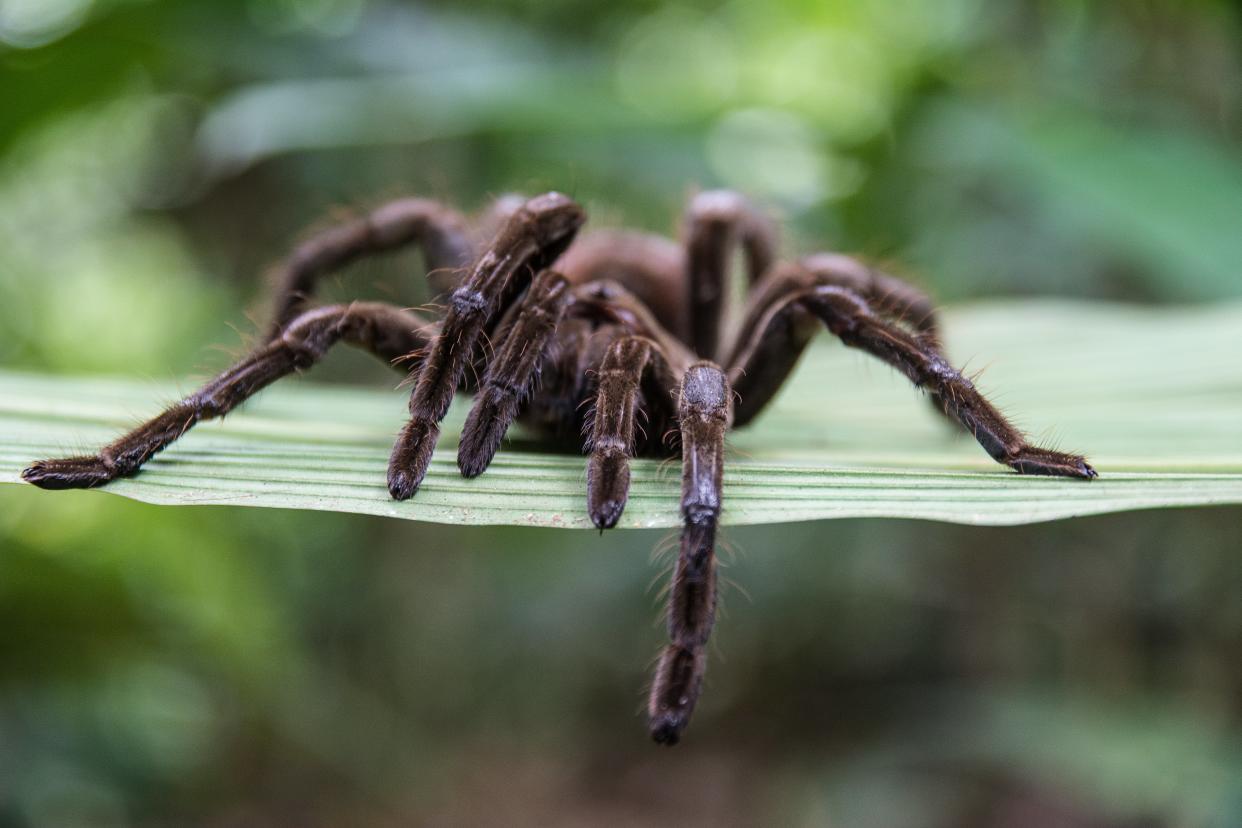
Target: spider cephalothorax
x: 583, y: 343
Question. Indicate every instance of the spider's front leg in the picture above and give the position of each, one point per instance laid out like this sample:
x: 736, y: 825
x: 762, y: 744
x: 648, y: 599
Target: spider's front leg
x: 532, y: 239
x: 781, y: 333
x: 387, y: 331
x: 513, y: 372
x: 704, y: 414
x: 641, y: 370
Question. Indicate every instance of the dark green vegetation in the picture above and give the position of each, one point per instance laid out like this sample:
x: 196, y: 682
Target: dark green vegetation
x: 246, y: 666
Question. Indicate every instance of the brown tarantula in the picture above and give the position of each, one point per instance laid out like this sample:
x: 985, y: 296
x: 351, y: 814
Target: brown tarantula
x: 627, y: 326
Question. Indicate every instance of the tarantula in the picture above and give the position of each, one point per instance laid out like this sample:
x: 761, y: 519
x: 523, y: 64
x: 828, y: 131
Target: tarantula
x: 627, y: 327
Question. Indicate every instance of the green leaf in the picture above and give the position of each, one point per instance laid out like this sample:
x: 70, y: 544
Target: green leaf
x: 1153, y: 396
x: 1166, y: 199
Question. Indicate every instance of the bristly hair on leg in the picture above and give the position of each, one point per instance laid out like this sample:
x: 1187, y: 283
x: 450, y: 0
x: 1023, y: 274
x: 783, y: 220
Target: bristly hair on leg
x: 704, y: 414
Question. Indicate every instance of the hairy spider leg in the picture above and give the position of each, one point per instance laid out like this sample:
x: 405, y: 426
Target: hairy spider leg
x: 612, y: 439
x: 440, y: 231
x: 704, y: 415
x: 643, y: 363
x: 767, y: 345
x: 774, y: 348
x: 530, y: 241
x: 487, y: 222
x: 389, y: 332
x: 887, y: 296
x: 715, y: 221
x: 513, y: 373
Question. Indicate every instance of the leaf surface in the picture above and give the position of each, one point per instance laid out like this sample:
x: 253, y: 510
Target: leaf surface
x: 1153, y: 396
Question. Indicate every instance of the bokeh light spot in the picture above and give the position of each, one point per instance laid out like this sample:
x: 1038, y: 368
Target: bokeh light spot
x: 677, y: 61
x: 28, y: 24
x: 777, y: 155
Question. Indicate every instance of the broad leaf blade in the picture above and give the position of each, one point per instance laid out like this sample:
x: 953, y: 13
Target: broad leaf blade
x: 1153, y: 396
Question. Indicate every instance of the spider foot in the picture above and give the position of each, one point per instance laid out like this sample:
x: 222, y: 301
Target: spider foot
x: 678, y: 678
x: 608, y: 485
x: 68, y: 473
x: 1051, y: 463
x: 667, y: 729
x: 514, y: 372
x: 606, y: 513
x: 480, y: 440
x: 410, y: 458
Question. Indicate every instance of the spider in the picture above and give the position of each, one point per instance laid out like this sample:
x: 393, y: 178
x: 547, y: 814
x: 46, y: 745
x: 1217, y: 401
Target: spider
x: 626, y: 329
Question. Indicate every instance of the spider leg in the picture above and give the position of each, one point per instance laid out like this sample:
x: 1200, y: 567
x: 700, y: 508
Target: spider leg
x: 771, y: 339
x: 486, y: 223
x: 643, y: 357
x: 715, y: 220
x: 887, y: 295
x: 704, y: 414
x: 613, y: 430
x: 439, y: 230
x: 513, y: 373
x: 385, y: 330
x: 531, y: 240
x: 778, y: 341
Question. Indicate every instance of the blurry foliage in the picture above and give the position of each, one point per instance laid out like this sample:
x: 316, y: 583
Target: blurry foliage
x: 272, y: 668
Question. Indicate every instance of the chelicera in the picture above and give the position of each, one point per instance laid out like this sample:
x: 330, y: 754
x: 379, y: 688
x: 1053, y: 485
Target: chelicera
x: 613, y: 345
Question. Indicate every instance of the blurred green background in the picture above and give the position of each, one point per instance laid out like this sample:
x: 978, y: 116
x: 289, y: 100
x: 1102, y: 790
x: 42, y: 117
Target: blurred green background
x: 245, y: 667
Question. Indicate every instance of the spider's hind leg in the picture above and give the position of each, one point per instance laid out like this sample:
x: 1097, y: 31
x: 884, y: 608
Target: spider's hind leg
x: 387, y: 331
x: 715, y: 221
x: 439, y: 230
